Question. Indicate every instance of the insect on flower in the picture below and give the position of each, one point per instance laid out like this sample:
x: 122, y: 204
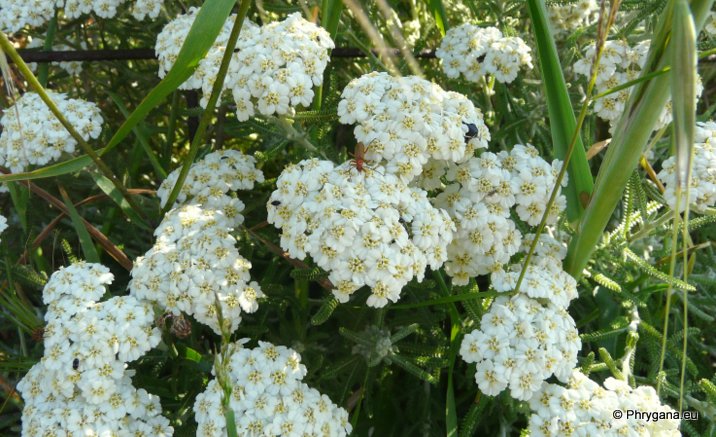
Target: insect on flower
x: 471, y: 131
x: 359, y: 156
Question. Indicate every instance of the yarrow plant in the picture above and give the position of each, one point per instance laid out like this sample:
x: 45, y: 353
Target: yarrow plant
x: 276, y: 67
x: 195, y: 268
x: 267, y: 397
x: 404, y: 122
x: 32, y: 135
x: 527, y: 337
x: 479, y: 196
x: 357, y: 220
x: 81, y: 386
x: 363, y: 227
x: 584, y: 407
x: 474, y: 52
x: 16, y: 14
x: 212, y: 181
x: 573, y: 15
x: 620, y: 63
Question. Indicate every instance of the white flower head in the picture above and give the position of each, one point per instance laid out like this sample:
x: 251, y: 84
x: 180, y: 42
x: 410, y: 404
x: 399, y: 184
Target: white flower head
x: 474, y: 52
x: 404, y: 122
x: 363, y: 227
x: 81, y: 385
x: 32, y: 135
x: 268, y: 397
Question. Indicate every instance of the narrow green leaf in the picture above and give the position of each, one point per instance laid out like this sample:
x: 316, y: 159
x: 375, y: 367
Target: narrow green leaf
x: 331, y: 15
x: 61, y: 168
x: 206, y: 27
x: 683, y: 89
x: 438, y: 10
x: 563, y: 123
x: 85, y: 239
x: 20, y: 195
x: 143, y: 140
x: 111, y: 191
x: 631, y: 135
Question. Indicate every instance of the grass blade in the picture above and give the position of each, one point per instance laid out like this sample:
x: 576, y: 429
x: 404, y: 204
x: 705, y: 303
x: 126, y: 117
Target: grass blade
x: 438, y: 10
x: 143, y: 141
x: 563, y: 123
x: 631, y: 135
x: 106, y: 186
x: 88, y: 248
x: 331, y: 15
x: 208, y: 114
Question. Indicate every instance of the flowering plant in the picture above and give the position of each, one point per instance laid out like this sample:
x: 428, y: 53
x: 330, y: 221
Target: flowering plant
x: 332, y: 218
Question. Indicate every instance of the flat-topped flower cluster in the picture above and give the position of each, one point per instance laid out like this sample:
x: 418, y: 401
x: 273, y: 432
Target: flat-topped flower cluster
x: 32, y: 135
x: 273, y: 70
x: 16, y: 14
x: 527, y: 337
x: 363, y: 227
x: 81, y: 385
x: 584, y: 407
x: 474, y: 52
x: 211, y: 182
x: 480, y: 195
x: 194, y: 266
x: 268, y: 397
x: 405, y: 122
x: 702, y: 187
x: 620, y: 63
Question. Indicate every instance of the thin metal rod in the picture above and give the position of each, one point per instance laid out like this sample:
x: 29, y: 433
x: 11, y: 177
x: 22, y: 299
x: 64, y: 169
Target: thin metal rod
x: 31, y: 55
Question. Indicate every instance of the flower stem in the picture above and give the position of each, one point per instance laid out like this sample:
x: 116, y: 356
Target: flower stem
x: 9, y: 49
x: 208, y: 114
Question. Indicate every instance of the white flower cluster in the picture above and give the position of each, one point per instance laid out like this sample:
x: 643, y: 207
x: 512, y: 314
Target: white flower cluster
x: 474, y: 52
x: 528, y: 337
x: 363, y: 227
x: 32, y: 135
x: 146, y: 9
x: 619, y: 64
x: 82, y: 386
x: 16, y: 14
x: 268, y: 398
x: 73, y: 68
x: 702, y: 187
x: 108, y: 8
x: 277, y: 67
x: 479, y: 196
x: 573, y: 15
x: 210, y: 180
x: 195, y: 268
x: 586, y: 408
x: 405, y: 121
x: 173, y: 35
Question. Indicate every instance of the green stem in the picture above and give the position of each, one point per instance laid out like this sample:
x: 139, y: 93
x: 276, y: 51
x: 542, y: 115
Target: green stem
x: 210, y: 106
x: 632, y: 133
x: 572, y: 142
x: 293, y: 134
x: 9, y: 49
x: 43, y: 70
x: 171, y: 131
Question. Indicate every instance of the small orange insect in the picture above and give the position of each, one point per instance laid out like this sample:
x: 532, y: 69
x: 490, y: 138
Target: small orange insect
x: 359, y: 156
